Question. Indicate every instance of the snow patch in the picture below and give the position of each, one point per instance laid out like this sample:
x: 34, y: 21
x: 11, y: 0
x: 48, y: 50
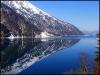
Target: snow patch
x: 44, y: 35
x: 11, y: 37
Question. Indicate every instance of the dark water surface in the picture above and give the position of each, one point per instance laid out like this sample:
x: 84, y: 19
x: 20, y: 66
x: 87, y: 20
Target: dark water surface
x: 53, y: 56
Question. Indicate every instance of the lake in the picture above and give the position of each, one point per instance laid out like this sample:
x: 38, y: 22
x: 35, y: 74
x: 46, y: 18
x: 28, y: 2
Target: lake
x: 47, y: 56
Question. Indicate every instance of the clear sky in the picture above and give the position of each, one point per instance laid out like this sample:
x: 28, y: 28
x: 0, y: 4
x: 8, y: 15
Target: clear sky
x: 83, y: 14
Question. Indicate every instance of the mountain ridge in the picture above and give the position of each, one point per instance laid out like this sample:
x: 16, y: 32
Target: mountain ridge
x: 25, y: 19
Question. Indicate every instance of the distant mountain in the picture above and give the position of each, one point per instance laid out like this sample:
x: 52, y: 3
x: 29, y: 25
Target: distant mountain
x: 91, y: 32
x: 22, y: 18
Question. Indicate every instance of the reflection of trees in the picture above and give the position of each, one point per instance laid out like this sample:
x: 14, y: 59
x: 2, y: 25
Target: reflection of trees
x: 84, y: 67
x: 24, y: 51
x: 4, y: 32
x: 83, y: 60
x: 97, y: 59
x: 97, y: 64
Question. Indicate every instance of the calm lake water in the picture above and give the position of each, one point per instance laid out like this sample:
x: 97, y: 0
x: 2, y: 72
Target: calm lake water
x: 47, y: 56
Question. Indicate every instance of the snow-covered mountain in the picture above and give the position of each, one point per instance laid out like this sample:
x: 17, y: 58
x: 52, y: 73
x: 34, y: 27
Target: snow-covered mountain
x: 93, y: 33
x: 22, y: 18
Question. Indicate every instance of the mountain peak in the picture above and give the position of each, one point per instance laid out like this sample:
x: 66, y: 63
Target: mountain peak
x: 23, y: 18
x: 24, y: 6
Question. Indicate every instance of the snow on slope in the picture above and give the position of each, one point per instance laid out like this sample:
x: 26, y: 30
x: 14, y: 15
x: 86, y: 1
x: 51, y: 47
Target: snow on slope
x: 44, y: 35
x: 26, y: 9
x: 23, y: 6
x: 40, y: 19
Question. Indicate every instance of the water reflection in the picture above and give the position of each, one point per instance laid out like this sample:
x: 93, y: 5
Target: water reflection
x: 19, y: 54
x: 84, y: 67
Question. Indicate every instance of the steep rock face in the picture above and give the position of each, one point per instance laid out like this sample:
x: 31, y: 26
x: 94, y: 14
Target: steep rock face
x: 22, y: 18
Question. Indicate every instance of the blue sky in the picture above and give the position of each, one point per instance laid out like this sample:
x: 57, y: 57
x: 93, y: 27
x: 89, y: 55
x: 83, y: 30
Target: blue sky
x: 83, y: 14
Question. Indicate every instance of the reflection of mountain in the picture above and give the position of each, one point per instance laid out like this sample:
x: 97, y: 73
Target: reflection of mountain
x: 19, y: 54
